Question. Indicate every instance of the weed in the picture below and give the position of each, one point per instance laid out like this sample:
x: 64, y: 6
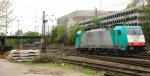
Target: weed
x: 46, y: 58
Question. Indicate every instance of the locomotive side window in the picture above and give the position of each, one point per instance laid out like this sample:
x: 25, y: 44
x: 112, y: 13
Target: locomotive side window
x: 119, y: 32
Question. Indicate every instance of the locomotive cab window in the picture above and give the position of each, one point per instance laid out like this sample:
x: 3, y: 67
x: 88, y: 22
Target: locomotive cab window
x: 119, y: 32
x: 134, y: 31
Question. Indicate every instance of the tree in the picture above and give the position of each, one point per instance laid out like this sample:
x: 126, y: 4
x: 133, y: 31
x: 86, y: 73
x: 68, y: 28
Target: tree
x: 146, y: 22
x: 58, y: 33
x: 96, y: 23
x: 72, y: 33
x: 53, y: 33
x: 2, y: 34
x: 11, y: 42
x: 30, y: 41
x: 137, y: 3
x: 133, y: 4
x: 144, y: 16
x: 5, y: 13
x: 19, y: 32
x: 30, y: 33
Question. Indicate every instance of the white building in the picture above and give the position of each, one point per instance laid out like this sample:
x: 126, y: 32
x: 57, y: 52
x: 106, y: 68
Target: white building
x: 127, y: 17
x: 79, y: 15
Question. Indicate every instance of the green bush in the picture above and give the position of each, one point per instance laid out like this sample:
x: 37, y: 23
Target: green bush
x: 46, y: 58
x: 72, y: 33
x: 58, y: 34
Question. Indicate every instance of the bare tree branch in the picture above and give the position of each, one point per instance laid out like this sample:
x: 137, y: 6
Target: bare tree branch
x: 5, y: 12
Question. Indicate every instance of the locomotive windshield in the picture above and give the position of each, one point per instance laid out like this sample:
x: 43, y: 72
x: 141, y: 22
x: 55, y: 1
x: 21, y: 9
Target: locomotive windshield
x: 134, y: 31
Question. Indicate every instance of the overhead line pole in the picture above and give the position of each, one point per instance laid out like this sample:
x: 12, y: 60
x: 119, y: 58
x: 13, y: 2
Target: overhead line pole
x: 18, y: 35
x: 43, y: 34
x: 6, y: 22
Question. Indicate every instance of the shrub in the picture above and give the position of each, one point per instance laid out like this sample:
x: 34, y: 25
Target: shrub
x: 46, y: 58
x: 58, y: 34
x: 72, y: 33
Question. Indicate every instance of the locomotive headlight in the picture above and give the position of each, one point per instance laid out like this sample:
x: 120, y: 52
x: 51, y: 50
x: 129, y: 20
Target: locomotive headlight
x: 130, y: 43
x: 131, y: 48
x: 142, y: 43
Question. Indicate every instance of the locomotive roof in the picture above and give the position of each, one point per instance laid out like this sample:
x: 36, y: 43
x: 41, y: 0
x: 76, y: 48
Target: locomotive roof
x: 79, y: 32
x: 120, y: 27
x: 98, y: 29
x: 115, y: 28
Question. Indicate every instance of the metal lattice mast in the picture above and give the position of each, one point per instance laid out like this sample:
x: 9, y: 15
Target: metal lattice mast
x: 43, y: 33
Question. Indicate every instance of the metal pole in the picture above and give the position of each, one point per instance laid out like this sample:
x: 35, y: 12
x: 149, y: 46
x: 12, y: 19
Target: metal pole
x: 21, y: 39
x: 137, y: 17
x: 43, y: 34
x: 6, y: 23
x: 96, y: 17
x: 66, y: 33
x: 48, y: 30
x: 18, y: 35
x: 12, y: 31
x: 96, y: 13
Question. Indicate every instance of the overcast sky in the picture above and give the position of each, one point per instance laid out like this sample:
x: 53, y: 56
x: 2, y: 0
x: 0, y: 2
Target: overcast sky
x: 29, y: 12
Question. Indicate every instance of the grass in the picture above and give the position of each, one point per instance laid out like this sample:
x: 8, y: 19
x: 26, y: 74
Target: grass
x: 86, y: 71
x: 90, y: 72
x: 50, y: 60
x: 53, y: 60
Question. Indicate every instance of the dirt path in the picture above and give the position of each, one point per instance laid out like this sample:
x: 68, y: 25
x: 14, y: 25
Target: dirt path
x: 14, y: 69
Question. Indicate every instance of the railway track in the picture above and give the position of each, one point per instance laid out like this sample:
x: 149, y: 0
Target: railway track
x: 130, y: 61
x: 141, y: 61
x: 144, y: 56
x: 123, y: 70
x: 74, y: 52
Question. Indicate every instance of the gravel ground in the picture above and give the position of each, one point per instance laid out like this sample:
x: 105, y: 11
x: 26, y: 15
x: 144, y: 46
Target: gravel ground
x: 15, y: 69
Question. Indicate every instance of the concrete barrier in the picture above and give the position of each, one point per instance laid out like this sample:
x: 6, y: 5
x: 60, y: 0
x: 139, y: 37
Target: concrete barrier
x: 23, y: 55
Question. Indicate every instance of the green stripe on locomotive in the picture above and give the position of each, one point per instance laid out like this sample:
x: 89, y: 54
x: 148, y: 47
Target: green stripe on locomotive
x: 78, y: 38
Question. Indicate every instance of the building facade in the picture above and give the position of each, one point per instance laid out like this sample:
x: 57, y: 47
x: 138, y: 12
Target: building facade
x: 79, y: 15
x: 108, y: 18
x: 127, y: 17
